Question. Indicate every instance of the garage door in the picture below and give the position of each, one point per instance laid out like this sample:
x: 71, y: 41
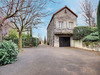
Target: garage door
x: 64, y: 41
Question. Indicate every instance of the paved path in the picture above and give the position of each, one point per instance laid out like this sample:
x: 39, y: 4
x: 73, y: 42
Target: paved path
x: 46, y: 60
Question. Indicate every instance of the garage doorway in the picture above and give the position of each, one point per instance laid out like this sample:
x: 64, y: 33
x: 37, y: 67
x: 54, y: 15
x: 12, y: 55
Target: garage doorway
x: 64, y: 41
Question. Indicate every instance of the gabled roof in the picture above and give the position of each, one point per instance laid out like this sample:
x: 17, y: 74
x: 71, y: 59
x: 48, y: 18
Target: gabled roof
x: 61, y: 10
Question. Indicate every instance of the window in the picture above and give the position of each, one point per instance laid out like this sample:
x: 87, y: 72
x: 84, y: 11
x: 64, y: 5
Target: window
x: 70, y: 25
x: 60, y: 24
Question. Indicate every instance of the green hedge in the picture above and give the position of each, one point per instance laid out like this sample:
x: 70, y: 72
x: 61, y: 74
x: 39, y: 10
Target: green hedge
x: 8, y: 52
x: 36, y: 42
x: 29, y: 42
x: 93, y: 37
x: 81, y: 31
x: 26, y: 42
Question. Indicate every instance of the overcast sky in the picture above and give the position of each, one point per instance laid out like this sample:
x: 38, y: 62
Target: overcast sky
x: 74, y: 5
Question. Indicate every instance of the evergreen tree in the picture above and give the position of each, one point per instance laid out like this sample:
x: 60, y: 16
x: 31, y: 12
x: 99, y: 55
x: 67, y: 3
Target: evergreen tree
x: 44, y: 40
x: 98, y: 19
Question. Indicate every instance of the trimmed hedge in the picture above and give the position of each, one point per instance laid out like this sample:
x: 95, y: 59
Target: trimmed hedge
x: 81, y: 31
x: 26, y: 42
x: 29, y: 42
x: 8, y: 52
x: 93, y: 37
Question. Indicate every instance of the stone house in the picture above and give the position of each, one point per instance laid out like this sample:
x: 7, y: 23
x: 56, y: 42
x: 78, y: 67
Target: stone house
x: 60, y: 28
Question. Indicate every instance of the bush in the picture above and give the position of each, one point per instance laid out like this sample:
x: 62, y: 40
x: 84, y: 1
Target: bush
x: 26, y: 41
x: 94, y: 34
x: 81, y: 31
x: 13, y: 34
x: 29, y: 42
x: 93, y: 37
x: 8, y: 52
x: 45, y: 40
x: 47, y: 43
x: 90, y: 38
x: 36, y: 42
x: 25, y: 36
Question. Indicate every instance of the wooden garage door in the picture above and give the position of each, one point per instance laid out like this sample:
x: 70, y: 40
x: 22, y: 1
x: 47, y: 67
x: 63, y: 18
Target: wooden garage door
x: 64, y: 41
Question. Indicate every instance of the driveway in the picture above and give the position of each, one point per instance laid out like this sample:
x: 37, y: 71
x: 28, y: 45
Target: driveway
x: 46, y: 60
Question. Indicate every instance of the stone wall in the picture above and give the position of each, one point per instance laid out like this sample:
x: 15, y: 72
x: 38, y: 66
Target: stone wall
x: 50, y: 33
x: 88, y: 46
x: 66, y: 18
x: 56, y: 41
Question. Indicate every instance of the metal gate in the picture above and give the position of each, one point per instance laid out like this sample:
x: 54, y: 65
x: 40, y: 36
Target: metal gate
x: 64, y: 41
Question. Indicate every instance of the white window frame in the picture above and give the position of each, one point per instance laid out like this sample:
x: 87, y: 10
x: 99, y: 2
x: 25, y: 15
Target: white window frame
x: 60, y: 24
x: 71, y: 25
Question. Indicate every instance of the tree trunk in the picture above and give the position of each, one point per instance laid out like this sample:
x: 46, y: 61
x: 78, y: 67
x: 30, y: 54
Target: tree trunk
x: 89, y: 21
x: 0, y: 34
x: 1, y: 22
x: 20, y: 41
x: 30, y: 31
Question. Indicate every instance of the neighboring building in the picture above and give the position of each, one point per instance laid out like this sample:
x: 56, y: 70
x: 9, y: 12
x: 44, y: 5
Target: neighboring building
x: 60, y: 28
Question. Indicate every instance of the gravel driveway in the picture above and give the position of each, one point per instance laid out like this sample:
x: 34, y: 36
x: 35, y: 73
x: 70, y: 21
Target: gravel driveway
x: 45, y: 60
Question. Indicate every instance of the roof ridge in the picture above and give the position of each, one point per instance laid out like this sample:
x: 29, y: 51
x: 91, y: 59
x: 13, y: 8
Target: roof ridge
x: 67, y: 8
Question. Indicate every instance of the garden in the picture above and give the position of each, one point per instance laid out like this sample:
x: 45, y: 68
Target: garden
x: 86, y: 37
x: 17, y: 19
x: 9, y: 46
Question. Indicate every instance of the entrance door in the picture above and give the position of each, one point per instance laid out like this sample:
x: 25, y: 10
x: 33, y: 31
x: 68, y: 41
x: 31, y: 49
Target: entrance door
x: 64, y: 41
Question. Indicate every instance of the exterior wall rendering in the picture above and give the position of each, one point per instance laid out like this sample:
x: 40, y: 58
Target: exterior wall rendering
x: 61, y: 25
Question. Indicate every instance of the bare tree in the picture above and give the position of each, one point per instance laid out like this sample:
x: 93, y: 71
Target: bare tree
x: 5, y: 27
x: 9, y: 9
x: 29, y: 17
x: 88, y: 12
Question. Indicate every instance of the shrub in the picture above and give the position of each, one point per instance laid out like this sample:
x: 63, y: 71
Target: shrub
x: 90, y: 38
x: 45, y: 40
x: 29, y: 42
x: 15, y: 41
x: 25, y: 36
x: 94, y: 34
x: 93, y: 37
x: 81, y: 31
x: 13, y: 34
x: 8, y: 52
x: 26, y: 41
x: 47, y: 43
x: 36, y: 42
